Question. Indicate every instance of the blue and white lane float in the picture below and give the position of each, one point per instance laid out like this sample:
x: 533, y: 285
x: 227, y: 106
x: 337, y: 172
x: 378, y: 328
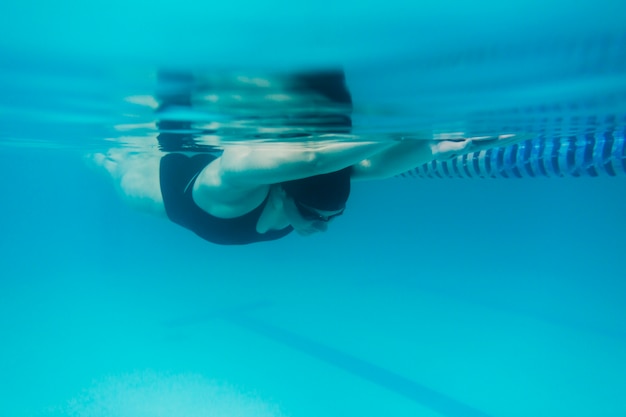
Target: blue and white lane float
x: 588, y: 155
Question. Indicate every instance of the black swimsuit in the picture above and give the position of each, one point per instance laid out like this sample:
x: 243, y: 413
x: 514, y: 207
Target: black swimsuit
x: 177, y: 175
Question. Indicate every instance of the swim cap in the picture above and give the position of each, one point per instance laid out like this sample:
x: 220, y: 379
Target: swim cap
x: 323, y: 192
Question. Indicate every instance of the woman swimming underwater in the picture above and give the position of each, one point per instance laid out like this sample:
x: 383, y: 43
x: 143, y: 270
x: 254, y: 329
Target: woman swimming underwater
x: 249, y: 192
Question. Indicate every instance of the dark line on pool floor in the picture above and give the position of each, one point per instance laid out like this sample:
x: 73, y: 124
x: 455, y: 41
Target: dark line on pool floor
x: 392, y: 381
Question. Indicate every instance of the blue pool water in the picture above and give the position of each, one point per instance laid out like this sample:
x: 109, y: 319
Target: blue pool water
x: 429, y: 297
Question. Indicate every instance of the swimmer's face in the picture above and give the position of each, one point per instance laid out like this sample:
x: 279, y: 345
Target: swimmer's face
x: 307, y: 220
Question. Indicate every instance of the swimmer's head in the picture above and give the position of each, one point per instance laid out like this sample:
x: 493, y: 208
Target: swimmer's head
x: 326, y: 192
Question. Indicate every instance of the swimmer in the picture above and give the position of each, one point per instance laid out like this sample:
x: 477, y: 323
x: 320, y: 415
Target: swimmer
x: 254, y: 192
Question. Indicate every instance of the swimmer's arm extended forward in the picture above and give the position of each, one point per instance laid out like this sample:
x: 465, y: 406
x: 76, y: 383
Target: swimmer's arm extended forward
x: 407, y: 154
x: 271, y: 163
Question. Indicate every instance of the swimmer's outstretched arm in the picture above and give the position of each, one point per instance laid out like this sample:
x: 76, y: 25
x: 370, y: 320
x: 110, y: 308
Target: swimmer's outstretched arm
x: 271, y: 163
x: 410, y: 153
x: 394, y: 160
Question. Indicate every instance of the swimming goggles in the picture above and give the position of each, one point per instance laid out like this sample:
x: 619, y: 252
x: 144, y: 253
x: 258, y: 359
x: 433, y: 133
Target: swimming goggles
x: 310, y: 213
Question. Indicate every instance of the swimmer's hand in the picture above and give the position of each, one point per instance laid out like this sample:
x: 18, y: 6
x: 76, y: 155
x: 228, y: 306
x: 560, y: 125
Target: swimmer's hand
x: 448, y: 149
